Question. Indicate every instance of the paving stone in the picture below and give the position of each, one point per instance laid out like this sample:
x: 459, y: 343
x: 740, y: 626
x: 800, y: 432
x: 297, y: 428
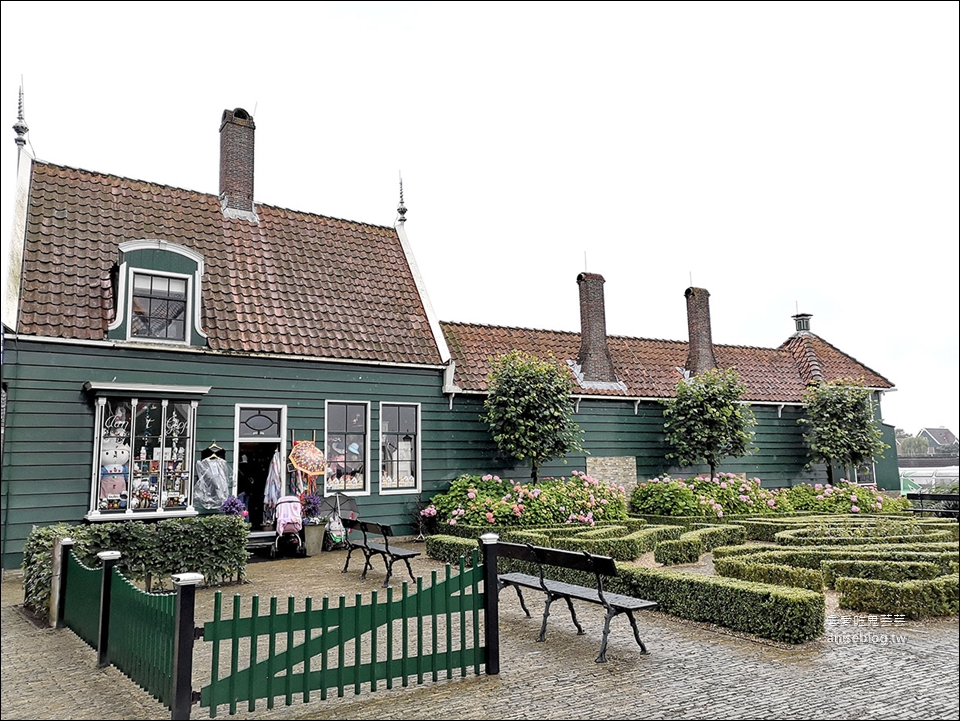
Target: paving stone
x: 691, y: 672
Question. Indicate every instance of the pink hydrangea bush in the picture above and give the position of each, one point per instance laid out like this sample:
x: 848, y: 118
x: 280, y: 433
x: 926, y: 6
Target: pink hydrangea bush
x: 493, y: 501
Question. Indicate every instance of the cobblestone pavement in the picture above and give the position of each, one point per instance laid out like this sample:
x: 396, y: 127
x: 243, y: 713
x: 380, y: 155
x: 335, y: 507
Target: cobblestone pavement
x: 905, y: 671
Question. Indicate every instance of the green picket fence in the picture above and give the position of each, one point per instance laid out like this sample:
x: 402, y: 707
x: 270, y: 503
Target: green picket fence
x: 142, y: 636
x: 283, y: 653
x: 81, y: 603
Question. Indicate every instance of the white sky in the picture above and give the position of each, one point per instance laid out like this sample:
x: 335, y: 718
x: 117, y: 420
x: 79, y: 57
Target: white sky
x: 784, y: 156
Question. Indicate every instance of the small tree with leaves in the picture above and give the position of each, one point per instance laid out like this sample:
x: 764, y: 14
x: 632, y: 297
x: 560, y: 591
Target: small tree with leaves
x: 841, y: 428
x: 529, y: 409
x: 914, y: 446
x: 706, y: 421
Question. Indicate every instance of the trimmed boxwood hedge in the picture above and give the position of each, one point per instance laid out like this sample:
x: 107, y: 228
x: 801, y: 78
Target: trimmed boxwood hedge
x: 780, y: 613
x: 213, y: 545
x: 879, y: 570
x: 693, y: 544
x: 812, y: 537
x: 914, y: 599
x: 748, y: 569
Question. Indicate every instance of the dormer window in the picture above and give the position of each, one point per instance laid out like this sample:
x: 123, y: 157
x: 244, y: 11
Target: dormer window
x: 159, y: 307
x: 157, y: 291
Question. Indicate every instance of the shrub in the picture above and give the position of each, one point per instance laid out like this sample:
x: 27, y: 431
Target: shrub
x: 723, y: 494
x: 728, y: 494
x: 491, y: 502
x: 213, y: 545
x: 844, y: 497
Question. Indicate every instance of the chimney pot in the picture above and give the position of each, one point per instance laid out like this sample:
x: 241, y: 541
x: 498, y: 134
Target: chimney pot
x: 594, y: 358
x: 700, y: 356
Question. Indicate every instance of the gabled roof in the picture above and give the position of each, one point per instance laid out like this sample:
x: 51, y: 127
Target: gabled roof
x: 939, y: 436
x: 294, y: 283
x: 648, y: 368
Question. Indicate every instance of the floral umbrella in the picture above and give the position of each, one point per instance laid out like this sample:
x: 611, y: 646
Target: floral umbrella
x: 308, y: 461
x: 306, y: 457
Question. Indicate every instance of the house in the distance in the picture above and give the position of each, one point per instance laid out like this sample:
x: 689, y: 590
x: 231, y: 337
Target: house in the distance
x: 941, y: 440
x: 146, y: 325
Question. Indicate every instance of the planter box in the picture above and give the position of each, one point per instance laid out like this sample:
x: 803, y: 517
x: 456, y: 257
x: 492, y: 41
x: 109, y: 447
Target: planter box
x: 313, y: 537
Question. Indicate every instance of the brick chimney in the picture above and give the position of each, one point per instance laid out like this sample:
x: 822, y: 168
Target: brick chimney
x: 700, y: 357
x: 236, y: 164
x: 594, y: 358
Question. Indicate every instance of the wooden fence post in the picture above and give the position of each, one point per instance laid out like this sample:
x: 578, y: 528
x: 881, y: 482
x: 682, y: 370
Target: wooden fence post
x: 60, y: 578
x: 183, y: 638
x: 491, y: 611
x: 109, y: 559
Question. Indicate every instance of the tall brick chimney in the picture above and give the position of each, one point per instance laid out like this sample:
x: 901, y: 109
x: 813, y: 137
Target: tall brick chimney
x: 594, y: 358
x: 700, y: 357
x: 236, y: 163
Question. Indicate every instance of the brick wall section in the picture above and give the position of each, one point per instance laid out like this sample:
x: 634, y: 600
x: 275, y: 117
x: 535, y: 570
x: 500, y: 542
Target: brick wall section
x: 594, y: 358
x: 618, y: 470
x: 700, y: 356
x: 236, y: 160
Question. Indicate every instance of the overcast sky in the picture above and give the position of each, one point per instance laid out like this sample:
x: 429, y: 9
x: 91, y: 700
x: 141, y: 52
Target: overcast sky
x: 784, y: 156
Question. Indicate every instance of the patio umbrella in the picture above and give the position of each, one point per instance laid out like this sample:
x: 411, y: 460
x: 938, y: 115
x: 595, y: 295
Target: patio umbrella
x: 339, y: 505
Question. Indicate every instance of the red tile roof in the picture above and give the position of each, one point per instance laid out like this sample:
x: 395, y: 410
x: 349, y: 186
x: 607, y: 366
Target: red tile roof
x: 294, y: 283
x: 648, y: 368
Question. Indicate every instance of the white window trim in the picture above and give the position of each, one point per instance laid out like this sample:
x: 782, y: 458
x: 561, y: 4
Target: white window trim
x: 130, y: 514
x: 281, y: 440
x: 366, y: 467
x: 187, y: 315
x: 401, y: 491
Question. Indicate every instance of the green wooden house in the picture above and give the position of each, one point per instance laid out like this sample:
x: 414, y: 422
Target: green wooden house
x: 149, y: 328
x: 620, y: 381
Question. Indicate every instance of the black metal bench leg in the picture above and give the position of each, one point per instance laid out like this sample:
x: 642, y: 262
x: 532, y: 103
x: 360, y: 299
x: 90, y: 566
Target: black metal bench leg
x: 367, y: 565
x: 412, y: 577
x: 519, y: 595
x: 636, y: 631
x: 602, y: 658
x: 388, y: 562
x: 546, y: 613
x: 345, y: 565
x: 573, y: 615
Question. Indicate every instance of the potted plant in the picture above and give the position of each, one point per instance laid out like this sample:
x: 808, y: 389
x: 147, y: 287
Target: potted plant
x: 314, y: 525
x: 233, y: 506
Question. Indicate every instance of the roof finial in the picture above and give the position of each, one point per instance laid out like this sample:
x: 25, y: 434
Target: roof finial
x: 402, y: 209
x: 20, y: 127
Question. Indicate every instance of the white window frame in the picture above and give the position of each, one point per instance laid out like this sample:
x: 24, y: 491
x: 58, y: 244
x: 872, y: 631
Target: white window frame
x: 131, y: 401
x: 366, y: 491
x: 187, y: 313
x: 281, y: 439
x: 388, y: 491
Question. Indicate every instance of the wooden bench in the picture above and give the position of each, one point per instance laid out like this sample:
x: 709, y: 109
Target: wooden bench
x: 932, y: 503
x: 600, y: 566
x: 373, y: 548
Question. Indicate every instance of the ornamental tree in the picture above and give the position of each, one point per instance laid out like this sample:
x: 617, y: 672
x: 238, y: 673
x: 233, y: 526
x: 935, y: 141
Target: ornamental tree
x: 841, y: 428
x: 706, y: 422
x: 530, y: 410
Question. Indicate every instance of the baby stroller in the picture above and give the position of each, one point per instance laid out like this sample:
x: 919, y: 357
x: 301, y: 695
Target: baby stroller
x: 289, y: 524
